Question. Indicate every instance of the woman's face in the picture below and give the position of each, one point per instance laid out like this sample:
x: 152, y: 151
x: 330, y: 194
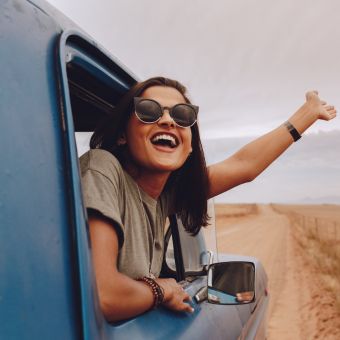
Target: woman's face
x: 144, y: 141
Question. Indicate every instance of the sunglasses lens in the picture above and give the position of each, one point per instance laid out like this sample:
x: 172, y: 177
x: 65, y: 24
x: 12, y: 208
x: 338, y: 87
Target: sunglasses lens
x: 148, y: 111
x: 184, y: 115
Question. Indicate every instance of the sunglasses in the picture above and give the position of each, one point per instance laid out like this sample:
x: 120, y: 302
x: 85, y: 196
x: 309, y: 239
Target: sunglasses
x: 150, y: 111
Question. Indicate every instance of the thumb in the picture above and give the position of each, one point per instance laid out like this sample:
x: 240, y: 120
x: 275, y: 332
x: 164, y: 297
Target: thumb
x: 311, y: 95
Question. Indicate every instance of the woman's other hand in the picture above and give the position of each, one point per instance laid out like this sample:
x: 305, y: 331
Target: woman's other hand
x: 175, y: 296
x: 319, y: 107
x: 120, y: 296
x: 312, y: 110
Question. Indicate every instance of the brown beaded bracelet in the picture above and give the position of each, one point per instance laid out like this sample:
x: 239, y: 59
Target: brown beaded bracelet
x: 157, y: 290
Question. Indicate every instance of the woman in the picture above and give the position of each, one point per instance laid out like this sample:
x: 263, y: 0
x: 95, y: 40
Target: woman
x: 145, y: 162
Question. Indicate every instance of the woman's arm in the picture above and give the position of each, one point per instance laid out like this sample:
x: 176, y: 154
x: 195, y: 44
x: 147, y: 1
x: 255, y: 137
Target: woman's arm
x: 246, y: 164
x: 120, y: 296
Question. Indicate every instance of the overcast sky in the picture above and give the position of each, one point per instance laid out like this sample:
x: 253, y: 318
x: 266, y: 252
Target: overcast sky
x: 246, y: 63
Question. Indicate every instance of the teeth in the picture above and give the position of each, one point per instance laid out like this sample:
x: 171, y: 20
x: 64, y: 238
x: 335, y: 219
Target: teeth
x: 164, y: 137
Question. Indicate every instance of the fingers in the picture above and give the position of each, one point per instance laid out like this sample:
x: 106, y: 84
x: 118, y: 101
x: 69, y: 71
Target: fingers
x: 188, y: 308
x: 177, y: 300
x: 185, y: 306
x: 180, y: 307
x: 187, y: 297
x: 328, y: 112
x: 184, y: 296
x: 329, y: 115
x: 329, y: 107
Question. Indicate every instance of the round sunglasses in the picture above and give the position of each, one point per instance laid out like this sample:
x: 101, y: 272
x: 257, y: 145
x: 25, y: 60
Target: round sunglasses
x: 150, y: 111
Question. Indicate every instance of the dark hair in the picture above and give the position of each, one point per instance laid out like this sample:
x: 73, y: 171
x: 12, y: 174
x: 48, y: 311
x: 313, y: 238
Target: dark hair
x: 188, y: 184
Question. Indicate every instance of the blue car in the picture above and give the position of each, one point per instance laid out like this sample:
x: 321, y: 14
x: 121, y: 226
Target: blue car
x: 56, y: 84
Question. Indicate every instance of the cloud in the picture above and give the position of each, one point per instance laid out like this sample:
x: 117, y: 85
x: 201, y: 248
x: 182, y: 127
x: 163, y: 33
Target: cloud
x: 247, y: 64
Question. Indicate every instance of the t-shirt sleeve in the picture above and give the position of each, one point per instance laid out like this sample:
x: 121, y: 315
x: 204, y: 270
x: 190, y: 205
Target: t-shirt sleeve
x: 101, y: 194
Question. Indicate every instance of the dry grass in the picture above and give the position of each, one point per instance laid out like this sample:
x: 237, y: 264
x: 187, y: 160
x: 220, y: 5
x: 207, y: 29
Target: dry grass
x: 229, y: 214
x: 316, y: 230
x: 235, y: 210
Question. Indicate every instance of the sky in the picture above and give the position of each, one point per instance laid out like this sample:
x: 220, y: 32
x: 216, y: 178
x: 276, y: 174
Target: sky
x: 247, y: 64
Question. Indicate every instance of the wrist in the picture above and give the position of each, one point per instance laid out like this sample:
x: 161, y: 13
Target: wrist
x: 156, y: 289
x: 303, y: 118
x: 292, y: 130
x: 168, y: 292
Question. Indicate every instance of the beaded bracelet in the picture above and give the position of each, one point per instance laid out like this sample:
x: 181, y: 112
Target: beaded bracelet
x: 157, y: 290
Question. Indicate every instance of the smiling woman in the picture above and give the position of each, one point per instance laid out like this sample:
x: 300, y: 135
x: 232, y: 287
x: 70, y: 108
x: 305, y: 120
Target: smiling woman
x: 182, y: 167
x: 135, y: 175
x: 145, y: 162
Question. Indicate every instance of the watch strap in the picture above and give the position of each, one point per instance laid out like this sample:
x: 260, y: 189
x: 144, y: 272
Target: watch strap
x: 293, y: 132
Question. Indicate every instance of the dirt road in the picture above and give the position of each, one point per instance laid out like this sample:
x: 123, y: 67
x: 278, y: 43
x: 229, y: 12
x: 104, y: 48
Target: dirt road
x: 294, y: 311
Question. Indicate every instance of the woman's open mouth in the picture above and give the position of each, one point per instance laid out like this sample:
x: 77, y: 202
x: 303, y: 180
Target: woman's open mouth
x: 165, y: 140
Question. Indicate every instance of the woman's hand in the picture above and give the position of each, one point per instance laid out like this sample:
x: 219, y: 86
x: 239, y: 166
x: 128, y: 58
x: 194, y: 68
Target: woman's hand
x: 174, y: 296
x: 320, y: 108
x: 120, y: 296
x: 312, y: 110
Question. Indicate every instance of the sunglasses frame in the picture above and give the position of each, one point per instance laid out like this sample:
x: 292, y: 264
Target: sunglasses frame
x: 137, y: 100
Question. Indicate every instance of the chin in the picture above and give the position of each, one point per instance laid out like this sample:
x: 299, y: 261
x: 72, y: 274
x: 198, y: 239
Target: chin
x: 167, y: 166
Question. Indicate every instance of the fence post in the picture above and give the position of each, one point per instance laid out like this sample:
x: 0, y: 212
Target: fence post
x: 316, y: 227
x: 335, y: 231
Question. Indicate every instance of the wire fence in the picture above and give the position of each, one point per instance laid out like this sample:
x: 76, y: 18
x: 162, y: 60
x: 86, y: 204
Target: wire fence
x: 325, y: 229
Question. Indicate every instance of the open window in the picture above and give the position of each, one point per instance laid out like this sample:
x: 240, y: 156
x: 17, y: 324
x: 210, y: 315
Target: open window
x: 92, y: 84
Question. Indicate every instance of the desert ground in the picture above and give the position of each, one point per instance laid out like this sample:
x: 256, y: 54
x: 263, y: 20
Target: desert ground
x: 299, y: 246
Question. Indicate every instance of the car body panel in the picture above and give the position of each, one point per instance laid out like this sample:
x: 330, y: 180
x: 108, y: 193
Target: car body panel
x: 36, y: 247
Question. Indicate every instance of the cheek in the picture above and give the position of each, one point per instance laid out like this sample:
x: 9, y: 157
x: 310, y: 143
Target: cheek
x: 134, y: 143
x: 136, y: 138
x: 134, y: 131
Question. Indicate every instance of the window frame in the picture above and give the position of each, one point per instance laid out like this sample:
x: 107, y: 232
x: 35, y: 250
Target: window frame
x: 74, y: 44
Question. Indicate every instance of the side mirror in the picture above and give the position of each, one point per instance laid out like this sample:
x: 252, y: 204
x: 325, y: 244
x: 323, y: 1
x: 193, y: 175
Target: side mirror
x: 231, y: 283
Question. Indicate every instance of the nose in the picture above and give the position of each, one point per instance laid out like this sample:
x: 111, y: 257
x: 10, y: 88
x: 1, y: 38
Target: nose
x: 166, y: 119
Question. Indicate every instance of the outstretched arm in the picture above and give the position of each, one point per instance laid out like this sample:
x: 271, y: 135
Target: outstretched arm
x: 246, y: 164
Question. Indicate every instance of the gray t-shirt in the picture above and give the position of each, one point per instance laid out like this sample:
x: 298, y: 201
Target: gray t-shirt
x: 138, y: 218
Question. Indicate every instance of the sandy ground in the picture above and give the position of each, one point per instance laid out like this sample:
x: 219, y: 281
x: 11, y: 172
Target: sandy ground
x: 299, y: 307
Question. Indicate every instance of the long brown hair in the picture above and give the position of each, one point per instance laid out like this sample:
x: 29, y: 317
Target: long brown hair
x: 188, y: 184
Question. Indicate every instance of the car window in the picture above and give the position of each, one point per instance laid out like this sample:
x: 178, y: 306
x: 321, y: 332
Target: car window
x: 83, y: 142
